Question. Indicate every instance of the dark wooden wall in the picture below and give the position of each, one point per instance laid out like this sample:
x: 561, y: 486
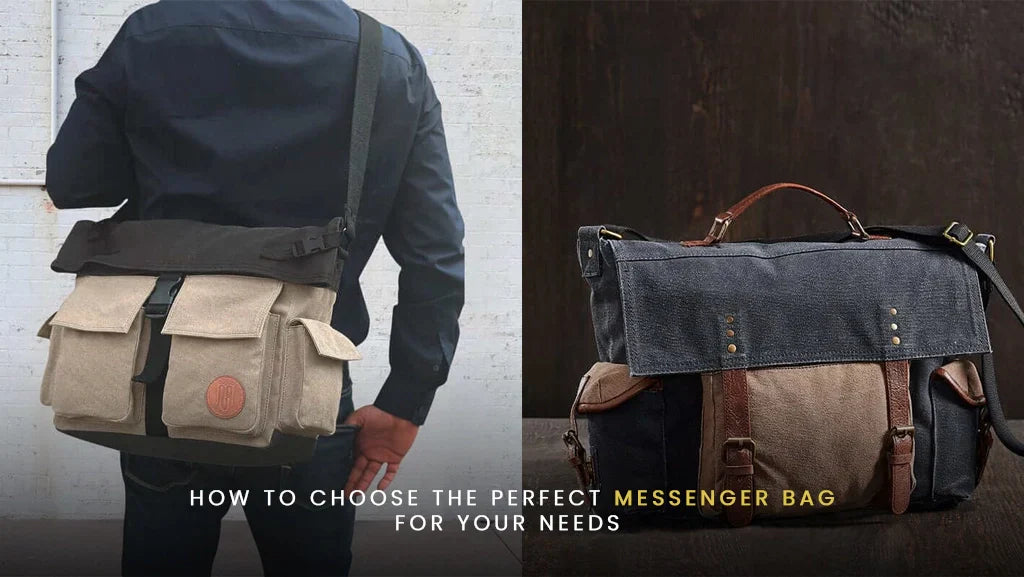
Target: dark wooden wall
x: 658, y: 115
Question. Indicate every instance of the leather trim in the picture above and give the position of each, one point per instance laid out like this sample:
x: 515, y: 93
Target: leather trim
x: 901, y: 435
x: 962, y: 376
x: 738, y: 448
x: 609, y: 386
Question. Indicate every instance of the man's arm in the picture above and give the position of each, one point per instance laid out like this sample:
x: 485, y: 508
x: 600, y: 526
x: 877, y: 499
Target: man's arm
x: 89, y: 164
x: 424, y: 235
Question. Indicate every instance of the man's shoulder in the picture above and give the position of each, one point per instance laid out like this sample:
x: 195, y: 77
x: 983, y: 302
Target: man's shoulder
x: 332, y: 20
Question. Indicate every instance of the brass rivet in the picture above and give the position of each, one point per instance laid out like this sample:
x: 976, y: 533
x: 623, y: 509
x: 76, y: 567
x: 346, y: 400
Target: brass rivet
x: 895, y: 340
x: 892, y: 311
x: 729, y: 319
x: 730, y: 333
x: 894, y: 326
x: 731, y: 348
x: 590, y: 253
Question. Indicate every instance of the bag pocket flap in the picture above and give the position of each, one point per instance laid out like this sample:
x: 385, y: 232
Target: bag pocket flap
x: 329, y: 342
x: 46, y: 330
x: 104, y: 304
x: 222, y: 306
x: 962, y: 376
x: 609, y: 386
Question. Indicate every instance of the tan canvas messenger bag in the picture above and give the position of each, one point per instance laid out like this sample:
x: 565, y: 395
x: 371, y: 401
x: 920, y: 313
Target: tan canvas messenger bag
x: 205, y: 342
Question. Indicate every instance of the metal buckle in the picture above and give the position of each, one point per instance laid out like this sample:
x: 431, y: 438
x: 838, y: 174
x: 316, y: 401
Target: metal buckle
x: 901, y: 432
x: 719, y: 226
x: 992, y: 248
x: 954, y: 239
x: 856, y: 227
x: 739, y: 442
x: 608, y: 233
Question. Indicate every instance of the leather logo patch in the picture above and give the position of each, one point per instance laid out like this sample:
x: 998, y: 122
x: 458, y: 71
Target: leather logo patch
x: 225, y: 397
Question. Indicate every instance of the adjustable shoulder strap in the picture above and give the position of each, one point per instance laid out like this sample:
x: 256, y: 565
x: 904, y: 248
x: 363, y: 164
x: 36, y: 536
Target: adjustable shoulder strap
x: 367, y: 80
x: 960, y: 236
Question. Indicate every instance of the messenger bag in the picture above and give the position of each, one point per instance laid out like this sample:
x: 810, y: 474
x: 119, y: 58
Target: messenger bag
x: 857, y: 363
x: 203, y: 342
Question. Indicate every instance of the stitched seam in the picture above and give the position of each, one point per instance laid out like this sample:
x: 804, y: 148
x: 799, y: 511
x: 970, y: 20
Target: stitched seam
x: 770, y: 257
x: 766, y: 360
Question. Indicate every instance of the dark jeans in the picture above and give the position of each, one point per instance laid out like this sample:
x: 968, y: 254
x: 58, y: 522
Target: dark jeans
x: 165, y: 535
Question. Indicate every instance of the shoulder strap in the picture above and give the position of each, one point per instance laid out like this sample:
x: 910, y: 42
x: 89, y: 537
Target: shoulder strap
x: 960, y: 236
x: 367, y: 79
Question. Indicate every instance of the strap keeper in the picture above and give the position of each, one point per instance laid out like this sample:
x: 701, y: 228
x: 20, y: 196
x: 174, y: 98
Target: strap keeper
x: 901, y: 459
x: 739, y: 470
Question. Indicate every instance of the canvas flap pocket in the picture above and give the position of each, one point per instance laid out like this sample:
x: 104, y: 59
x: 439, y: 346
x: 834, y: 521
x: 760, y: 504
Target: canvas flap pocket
x: 609, y: 385
x: 223, y: 348
x: 818, y: 434
x: 222, y: 306
x: 104, y: 304
x: 313, y: 376
x: 94, y: 349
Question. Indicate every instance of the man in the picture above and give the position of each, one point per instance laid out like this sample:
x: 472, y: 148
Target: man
x: 239, y: 113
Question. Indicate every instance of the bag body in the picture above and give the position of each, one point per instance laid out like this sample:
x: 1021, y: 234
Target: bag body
x: 846, y: 363
x: 140, y: 356
x: 206, y: 342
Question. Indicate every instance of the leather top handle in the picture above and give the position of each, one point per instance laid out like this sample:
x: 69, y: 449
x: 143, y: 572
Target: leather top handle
x: 722, y: 221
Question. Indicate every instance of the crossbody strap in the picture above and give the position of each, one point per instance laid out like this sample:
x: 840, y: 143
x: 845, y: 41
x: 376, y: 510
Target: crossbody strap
x: 367, y: 80
x: 960, y: 236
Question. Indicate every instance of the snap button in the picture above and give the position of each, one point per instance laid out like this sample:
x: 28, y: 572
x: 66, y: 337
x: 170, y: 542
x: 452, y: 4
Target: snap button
x: 730, y: 333
x: 892, y: 312
x: 894, y: 326
x: 729, y: 319
x: 590, y: 253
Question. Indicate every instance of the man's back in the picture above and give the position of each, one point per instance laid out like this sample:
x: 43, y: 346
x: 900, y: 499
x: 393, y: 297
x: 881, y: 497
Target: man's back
x: 239, y: 113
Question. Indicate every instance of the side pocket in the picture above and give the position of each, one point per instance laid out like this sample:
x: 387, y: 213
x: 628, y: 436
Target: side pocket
x: 957, y: 402
x: 626, y: 426
x: 94, y: 347
x: 312, y: 377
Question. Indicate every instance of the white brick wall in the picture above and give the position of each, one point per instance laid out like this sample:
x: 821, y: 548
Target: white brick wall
x: 472, y: 439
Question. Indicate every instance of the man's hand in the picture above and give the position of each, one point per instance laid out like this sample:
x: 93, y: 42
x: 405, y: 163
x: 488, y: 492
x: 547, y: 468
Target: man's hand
x: 382, y: 439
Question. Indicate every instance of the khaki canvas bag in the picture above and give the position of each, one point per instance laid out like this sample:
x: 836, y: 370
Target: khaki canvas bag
x: 213, y: 344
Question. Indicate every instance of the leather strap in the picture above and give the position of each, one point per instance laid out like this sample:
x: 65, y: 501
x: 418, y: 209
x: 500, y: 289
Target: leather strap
x: 367, y: 79
x: 578, y: 458
x: 901, y: 434
x: 722, y: 221
x: 738, y: 448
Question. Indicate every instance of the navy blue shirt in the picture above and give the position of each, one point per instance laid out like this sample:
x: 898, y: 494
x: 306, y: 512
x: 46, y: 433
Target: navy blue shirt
x: 239, y: 113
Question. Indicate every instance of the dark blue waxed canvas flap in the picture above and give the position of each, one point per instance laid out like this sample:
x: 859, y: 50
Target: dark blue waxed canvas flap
x: 794, y: 303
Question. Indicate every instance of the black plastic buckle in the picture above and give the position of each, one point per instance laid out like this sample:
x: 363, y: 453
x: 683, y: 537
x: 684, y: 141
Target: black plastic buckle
x: 308, y: 246
x: 159, y: 302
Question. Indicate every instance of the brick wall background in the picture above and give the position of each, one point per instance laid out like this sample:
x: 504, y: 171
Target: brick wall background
x: 472, y: 438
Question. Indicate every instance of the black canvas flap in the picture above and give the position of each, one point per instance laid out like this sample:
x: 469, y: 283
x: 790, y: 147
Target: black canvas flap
x: 190, y: 247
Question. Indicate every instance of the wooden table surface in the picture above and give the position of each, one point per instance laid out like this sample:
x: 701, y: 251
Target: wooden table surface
x: 983, y: 536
